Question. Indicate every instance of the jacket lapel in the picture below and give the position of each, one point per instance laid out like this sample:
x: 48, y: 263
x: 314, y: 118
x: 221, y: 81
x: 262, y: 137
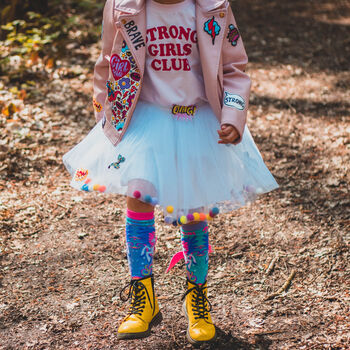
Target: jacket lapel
x: 132, y: 21
x: 211, y: 27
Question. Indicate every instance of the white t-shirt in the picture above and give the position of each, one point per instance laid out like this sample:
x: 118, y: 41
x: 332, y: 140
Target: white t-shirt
x: 173, y: 72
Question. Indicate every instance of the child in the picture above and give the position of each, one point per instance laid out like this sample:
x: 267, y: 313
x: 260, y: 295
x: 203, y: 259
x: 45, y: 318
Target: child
x: 170, y: 99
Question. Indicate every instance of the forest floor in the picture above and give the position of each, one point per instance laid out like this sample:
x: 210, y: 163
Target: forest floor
x: 62, y: 254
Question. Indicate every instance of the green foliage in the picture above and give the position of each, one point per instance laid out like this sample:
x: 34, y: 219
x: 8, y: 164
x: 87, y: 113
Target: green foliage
x: 44, y: 36
x: 35, y: 34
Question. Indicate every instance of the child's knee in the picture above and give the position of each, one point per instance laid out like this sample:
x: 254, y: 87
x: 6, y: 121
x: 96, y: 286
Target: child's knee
x: 138, y: 206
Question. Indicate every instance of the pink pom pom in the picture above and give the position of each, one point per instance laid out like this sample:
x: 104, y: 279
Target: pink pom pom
x: 190, y: 217
x: 102, y: 188
x: 137, y: 194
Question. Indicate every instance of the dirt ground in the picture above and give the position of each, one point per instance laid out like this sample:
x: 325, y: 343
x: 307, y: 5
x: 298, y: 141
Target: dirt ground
x: 62, y: 253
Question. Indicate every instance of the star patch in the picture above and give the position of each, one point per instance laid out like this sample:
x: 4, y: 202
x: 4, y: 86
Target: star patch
x: 212, y: 28
x: 233, y: 35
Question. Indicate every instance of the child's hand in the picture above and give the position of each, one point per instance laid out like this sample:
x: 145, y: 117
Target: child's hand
x: 227, y: 134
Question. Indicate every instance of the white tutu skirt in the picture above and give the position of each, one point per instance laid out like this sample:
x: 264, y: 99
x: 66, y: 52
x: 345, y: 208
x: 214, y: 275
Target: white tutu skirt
x: 175, y: 163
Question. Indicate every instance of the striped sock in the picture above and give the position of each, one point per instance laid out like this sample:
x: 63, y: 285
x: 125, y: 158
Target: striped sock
x: 140, y: 243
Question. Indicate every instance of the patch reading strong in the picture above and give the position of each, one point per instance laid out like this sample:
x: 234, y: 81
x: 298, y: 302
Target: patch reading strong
x: 235, y: 101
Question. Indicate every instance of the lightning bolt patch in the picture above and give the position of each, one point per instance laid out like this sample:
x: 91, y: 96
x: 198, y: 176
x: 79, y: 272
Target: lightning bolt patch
x: 212, y: 28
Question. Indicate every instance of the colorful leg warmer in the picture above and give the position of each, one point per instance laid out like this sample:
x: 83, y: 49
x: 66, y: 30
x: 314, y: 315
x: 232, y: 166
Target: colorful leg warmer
x: 194, y: 239
x: 140, y: 243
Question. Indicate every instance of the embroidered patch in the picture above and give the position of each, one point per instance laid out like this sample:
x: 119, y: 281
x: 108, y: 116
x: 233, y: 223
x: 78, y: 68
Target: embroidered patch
x: 235, y: 101
x: 183, y: 112
x: 134, y: 34
x: 124, y: 83
x: 233, y: 35
x: 119, y: 67
x: 81, y: 174
x: 212, y: 28
x: 116, y: 164
x: 97, y: 106
x: 122, y: 92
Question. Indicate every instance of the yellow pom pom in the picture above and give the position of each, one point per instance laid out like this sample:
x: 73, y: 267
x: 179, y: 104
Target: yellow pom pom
x: 183, y: 220
x: 196, y: 216
x: 95, y: 187
x: 170, y: 209
x: 209, y: 217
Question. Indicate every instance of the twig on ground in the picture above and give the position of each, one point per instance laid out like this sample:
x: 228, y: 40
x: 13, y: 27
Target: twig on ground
x: 269, y: 332
x: 272, y: 265
x: 283, y: 288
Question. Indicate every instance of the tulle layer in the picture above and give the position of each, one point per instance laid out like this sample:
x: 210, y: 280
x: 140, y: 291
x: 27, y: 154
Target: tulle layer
x: 174, y: 162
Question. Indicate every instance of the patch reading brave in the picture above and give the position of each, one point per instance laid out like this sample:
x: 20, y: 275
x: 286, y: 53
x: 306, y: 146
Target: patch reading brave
x: 134, y: 34
x: 235, y: 101
x: 212, y: 28
x: 233, y: 35
x: 119, y: 67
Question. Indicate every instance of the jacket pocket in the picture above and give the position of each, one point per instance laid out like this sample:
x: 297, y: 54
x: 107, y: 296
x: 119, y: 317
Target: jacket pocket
x: 123, y: 85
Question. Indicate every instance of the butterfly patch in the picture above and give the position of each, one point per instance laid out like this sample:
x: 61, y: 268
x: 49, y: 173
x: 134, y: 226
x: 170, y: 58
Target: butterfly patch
x: 212, y: 28
x: 116, y: 164
x: 233, y: 35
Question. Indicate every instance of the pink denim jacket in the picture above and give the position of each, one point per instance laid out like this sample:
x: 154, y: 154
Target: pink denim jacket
x: 118, y: 72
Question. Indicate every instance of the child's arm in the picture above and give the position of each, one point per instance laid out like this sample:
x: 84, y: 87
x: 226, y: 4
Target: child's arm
x: 102, y: 65
x: 236, y: 83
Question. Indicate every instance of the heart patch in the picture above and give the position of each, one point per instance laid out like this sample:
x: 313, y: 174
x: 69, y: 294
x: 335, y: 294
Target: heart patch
x: 119, y: 67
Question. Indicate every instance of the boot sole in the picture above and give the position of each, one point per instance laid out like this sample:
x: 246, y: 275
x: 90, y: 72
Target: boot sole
x: 191, y: 340
x: 155, y: 321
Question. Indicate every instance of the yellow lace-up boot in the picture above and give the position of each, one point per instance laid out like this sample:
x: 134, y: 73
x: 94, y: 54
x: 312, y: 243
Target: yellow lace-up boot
x: 197, y: 310
x: 144, y: 310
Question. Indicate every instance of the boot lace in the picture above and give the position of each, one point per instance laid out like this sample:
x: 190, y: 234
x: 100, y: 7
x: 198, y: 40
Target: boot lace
x: 138, y: 293
x: 200, y: 304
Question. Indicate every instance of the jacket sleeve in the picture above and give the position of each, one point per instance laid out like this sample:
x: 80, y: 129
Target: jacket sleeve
x: 236, y: 83
x: 101, y: 69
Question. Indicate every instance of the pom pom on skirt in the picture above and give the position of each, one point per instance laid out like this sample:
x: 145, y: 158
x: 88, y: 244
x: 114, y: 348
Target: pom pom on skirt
x: 174, y: 162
